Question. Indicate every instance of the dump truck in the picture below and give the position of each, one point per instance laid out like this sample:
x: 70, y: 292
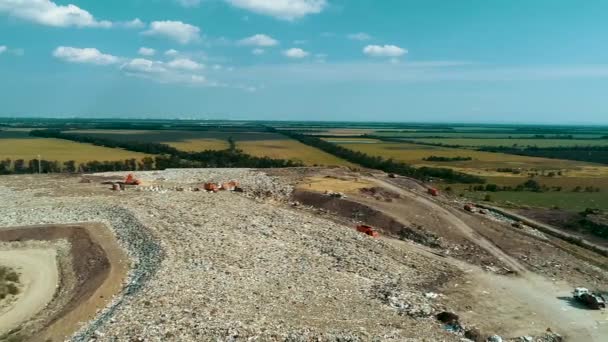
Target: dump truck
x: 368, y: 230
x: 230, y: 186
x: 433, y: 191
x: 591, y: 300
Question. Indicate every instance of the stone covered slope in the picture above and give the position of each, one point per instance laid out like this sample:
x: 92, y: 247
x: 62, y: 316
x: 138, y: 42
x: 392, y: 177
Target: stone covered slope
x: 235, y: 268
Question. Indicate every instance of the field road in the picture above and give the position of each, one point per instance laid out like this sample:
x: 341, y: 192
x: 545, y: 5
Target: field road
x: 466, y: 231
x: 38, y: 275
x: 542, y: 299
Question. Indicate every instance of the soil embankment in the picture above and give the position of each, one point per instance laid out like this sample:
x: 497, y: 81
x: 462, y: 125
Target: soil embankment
x: 93, y: 272
x: 39, y: 277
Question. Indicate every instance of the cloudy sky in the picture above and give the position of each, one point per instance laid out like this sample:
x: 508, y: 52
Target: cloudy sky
x: 540, y: 61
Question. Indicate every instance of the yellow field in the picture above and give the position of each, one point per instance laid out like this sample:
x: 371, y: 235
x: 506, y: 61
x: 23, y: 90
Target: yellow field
x: 197, y: 145
x: 61, y: 150
x: 290, y: 149
x: 483, y: 162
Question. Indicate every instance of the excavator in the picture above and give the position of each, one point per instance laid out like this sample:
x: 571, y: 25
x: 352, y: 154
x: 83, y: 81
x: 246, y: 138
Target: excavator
x: 131, y: 180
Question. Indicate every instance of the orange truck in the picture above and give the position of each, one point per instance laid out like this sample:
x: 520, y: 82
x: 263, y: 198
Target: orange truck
x: 368, y: 230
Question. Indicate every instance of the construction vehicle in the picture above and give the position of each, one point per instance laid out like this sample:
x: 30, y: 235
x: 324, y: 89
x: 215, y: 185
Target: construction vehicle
x: 211, y: 187
x: 230, y: 186
x: 469, y: 207
x: 368, y: 230
x: 433, y: 191
x: 591, y: 300
x: 131, y: 180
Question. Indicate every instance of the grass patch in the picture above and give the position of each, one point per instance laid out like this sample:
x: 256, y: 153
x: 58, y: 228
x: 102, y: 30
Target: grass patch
x: 9, y: 281
x: 60, y: 150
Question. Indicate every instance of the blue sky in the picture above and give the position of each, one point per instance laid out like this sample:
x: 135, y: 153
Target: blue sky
x: 517, y: 61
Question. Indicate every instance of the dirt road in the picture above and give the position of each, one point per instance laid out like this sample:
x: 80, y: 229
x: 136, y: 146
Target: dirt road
x: 466, y: 231
x: 519, y: 305
x: 39, y: 276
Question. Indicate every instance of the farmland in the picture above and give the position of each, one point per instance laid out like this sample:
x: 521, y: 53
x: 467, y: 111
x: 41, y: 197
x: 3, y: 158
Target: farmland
x: 18, y: 145
x: 191, y: 141
x: 482, y: 163
x: 284, y: 148
x: 420, y: 142
x: 470, y: 142
x: 259, y: 144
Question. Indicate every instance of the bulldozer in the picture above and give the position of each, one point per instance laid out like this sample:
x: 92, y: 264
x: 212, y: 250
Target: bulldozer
x: 591, y: 300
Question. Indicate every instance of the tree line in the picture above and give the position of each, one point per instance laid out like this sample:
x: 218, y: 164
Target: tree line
x: 593, y: 154
x: 446, y: 159
x: 165, y: 157
x: 386, y: 165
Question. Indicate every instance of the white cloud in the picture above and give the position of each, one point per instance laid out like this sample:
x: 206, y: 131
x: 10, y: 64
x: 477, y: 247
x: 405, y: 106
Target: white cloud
x: 13, y: 51
x: 384, y: 51
x: 281, y: 9
x: 258, y: 51
x: 175, y: 30
x: 185, y: 64
x: 135, y: 23
x: 142, y: 65
x: 86, y: 55
x: 144, y: 51
x: 46, y: 12
x: 261, y: 40
x: 361, y: 36
x: 171, y: 52
x: 189, y: 3
x: 177, y: 71
x: 295, y: 53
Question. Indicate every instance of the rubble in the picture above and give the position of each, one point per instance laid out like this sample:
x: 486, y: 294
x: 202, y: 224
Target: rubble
x: 233, y: 267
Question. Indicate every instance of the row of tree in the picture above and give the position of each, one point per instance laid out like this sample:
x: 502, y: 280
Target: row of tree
x: 446, y: 159
x: 386, y: 165
x: 594, y: 154
x: 165, y: 157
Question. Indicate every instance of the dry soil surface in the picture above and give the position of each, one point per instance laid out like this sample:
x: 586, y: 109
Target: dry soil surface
x: 39, y: 277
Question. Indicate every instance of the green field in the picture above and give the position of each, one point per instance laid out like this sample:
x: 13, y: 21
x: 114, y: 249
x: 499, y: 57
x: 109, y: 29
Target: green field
x: 570, y: 201
x: 482, y: 163
x: 515, y: 142
x: 485, y: 164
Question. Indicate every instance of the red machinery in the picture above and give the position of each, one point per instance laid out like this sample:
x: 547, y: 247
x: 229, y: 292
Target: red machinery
x: 368, y: 230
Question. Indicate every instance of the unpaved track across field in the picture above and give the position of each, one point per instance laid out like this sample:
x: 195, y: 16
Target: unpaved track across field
x: 39, y: 276
x: 466, y: 231
x: 545, y: 300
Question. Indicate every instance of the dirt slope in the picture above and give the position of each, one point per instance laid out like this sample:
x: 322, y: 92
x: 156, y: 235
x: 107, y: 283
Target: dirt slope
x: 39, y: 276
